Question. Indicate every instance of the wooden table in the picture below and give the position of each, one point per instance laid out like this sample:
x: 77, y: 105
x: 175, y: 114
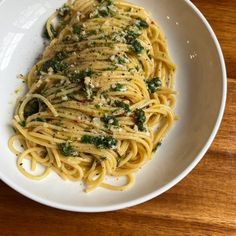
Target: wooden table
x: 204, y: 203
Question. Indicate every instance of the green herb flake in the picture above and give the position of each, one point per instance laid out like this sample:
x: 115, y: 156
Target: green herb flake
x: 122, y: 105
x: 100, y: 142
x: 80, y: 76
x: 32, y: 107
x: 63, y: 11
x: 141, y: 24
x: 154, y: 84
x: 104, y: 11
x: 137, y: 47
x: 109, y: 45
x: 140, y: 119
x: 54, y: 32
x: 77, y: 29
x: 40, y: 119
x: 117, y: 87
x: 55, y: 63
x: 122, y: 60
x: 112, y: 68
x: 66, y: 149
x: 109, y: 2
x: 46, y: 34
x: 131, y: 36
x: 110, y: 121
x: 97, y: 106
x: 60, y: 56
x: 104, y: 94
x: 22, y: 123
x: 93, y: 44
x: 157, y: 146
x: 131, y: 39
x: 116, y: 110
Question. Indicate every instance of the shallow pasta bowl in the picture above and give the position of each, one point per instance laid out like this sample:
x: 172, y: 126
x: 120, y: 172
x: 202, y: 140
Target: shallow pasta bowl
x: 200, y: 80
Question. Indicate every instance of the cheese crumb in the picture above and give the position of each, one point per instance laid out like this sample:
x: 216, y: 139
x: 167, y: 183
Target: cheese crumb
x: 65, y: 98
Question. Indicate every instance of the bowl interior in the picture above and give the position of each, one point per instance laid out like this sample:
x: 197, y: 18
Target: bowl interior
x: 199, y: 80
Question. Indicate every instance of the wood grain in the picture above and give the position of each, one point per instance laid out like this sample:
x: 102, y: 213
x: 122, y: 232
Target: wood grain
x: 204, y: 203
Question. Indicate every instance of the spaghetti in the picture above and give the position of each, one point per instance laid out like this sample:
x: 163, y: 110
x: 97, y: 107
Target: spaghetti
x: 101, y: 98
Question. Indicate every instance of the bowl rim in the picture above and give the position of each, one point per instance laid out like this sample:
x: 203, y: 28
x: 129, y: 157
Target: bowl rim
x: 173, y: 182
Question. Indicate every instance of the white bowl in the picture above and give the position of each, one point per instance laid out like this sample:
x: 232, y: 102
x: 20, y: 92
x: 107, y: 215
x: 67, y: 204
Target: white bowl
x: 200, y: 80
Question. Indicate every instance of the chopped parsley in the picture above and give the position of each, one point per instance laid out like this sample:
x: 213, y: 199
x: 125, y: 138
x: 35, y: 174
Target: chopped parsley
x: 97, y: 106
x: 79, y: 31
x: 158, y: 145
x: 141, y: 24
x: 79, y: 77
x: 104, y: 9
x: 32, y: 107
x: 112, y: 68
x: 55, y: 63
x: 60, y: 56
x: 109, y: 2
x: 92, y: 44
x: 154, y: 84
x: 66, y: 149
x: 122, y: 105
x: 121, y: 60
x: 117, y: 87
x: 101, y: 142
x: 110, y: 121
x: 137, y: 47
x: 57, y: 66
x: 109, y: 45
x: 22, y: 123
x: 40, y: 119
x: 104, y: 94
x: 46, y: 34
x: 140, y: 119
x: 63, y: 11
x: 131, y: 39
x: 131, y: 36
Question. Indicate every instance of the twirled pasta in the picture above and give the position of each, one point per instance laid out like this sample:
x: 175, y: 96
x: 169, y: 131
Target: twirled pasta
x: 101, y: 98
